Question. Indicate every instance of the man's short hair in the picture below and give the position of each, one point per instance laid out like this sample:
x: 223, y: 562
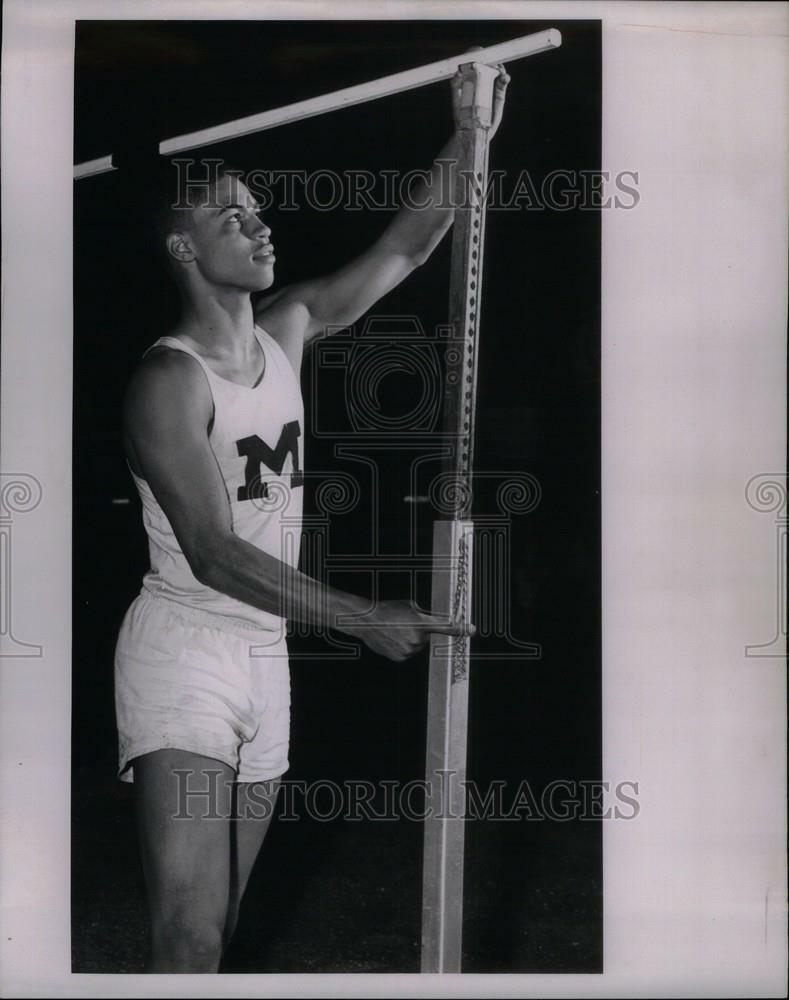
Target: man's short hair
x: 178, y: 187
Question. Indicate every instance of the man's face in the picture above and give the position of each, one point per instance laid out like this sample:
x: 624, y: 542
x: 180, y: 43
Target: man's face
x: 230, y: 243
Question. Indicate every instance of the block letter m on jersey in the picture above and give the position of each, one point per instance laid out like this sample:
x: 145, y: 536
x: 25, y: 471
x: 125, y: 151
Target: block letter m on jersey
x: 258, y: 453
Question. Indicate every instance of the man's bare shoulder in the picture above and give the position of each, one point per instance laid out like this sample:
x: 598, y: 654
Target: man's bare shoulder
x: 164, y: 381
x: 283, y: 314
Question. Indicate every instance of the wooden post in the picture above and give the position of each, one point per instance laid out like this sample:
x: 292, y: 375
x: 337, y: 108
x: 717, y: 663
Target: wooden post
x: 442, y: 875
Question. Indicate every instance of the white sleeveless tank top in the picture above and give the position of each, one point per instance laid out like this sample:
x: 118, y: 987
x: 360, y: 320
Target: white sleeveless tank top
x: 256, y: 436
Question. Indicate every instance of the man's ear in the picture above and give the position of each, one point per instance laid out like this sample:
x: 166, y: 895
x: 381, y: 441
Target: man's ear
x: 178, y: 248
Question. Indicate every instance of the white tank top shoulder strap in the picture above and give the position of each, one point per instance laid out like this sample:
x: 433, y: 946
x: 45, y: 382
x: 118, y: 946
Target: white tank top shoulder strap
x: 265, y: 339
x: 280, y: 357
x: 179, y: 345
x: 210, y: 377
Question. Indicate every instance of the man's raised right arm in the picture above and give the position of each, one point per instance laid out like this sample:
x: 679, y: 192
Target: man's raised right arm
x: 167, y: 413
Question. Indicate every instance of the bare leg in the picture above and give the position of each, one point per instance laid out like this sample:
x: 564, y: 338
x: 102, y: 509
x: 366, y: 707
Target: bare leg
x: 183, y: 810
x: 253, y: 807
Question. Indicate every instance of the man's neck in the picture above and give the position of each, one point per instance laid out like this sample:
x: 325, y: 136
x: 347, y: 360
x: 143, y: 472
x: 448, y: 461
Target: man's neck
x: 221, y: 322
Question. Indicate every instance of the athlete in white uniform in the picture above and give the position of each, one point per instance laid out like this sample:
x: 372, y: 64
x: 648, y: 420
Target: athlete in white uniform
x: 213, y: 430
x: 256, y: 438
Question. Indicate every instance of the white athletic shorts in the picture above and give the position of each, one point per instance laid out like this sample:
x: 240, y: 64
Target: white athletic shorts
x: 184, y: 683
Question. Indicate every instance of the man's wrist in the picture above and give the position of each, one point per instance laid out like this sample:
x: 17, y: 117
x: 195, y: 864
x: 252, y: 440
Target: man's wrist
x: 345, y: 610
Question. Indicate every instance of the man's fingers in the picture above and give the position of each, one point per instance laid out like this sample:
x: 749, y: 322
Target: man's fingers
x: 450, y: 628
x: 503, y: 78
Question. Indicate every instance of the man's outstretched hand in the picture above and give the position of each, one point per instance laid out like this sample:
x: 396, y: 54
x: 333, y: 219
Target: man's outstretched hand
x: 397, y: 630
x: 499, y: 93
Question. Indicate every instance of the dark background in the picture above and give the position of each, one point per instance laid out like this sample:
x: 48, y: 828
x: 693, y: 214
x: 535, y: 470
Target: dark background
x: 340, y: 896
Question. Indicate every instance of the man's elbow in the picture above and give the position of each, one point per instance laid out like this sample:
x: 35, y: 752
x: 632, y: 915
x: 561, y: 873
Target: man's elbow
x: 205, y: 572
x: 207, y: 561
x: 417, y: 258
x: 420, y: 254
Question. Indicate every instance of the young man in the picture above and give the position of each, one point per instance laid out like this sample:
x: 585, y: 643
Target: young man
x: 213, y: 424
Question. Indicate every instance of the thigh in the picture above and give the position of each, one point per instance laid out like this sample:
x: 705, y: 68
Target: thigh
x: 184, y: 806
x: 254, y: 807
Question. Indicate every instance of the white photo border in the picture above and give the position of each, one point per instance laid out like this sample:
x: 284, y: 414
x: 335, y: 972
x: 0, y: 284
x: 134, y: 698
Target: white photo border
x: 694, y: 407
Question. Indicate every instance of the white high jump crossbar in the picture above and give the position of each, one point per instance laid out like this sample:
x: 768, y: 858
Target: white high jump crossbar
x: 386, y: 86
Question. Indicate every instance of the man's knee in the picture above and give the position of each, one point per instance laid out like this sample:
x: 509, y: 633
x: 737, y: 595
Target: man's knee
x: 190, y: 934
